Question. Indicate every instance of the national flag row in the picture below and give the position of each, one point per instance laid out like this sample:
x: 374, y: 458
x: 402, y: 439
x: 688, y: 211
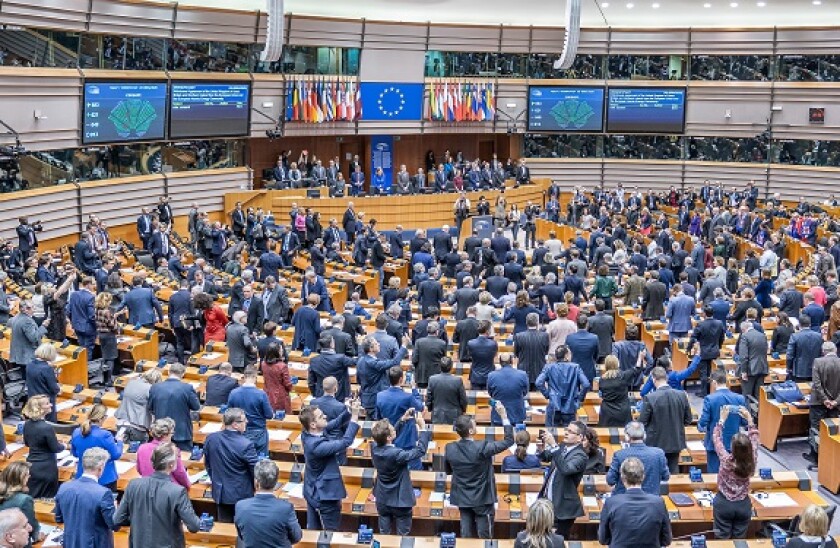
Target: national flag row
x: 318, y: 101
x: 461, y: 101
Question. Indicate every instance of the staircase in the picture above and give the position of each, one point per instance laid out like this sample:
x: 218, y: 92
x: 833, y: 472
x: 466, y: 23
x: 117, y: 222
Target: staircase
x: 31, y: 45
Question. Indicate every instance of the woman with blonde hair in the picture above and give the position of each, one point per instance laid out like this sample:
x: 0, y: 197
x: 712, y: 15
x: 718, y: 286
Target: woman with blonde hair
x: 41, y: 376
x: 162, y: 431
x: 813, y: 524
x: 107, y: 330
x: 133, y: 413
x: 39, y: 436
x: 615, y: 388
x: 91, y: 434
x: 484, y: 310
x: 539, y: 528
x: 14, y: 493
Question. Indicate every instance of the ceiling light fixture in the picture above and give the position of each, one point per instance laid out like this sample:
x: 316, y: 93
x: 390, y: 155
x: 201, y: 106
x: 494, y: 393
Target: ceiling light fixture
x: 655, y: 6
x: 605, y: 4
x: 761, y: 4
x: 630, y: 5
x: 733, y: 4
x: 817, y: 2
x: 707, y: 5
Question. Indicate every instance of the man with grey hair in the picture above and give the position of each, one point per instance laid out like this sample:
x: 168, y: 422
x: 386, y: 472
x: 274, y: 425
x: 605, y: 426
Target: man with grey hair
x: 825, y: 393
x: 242, y: 350
x: 395, y: 327
x: 652, y: 458
x: 87, y: 506
x: 219, y: 385
x: 230, y: 457
x: 634, y: 518
x: 428, y: 352
x: 14, y: 529
x: 25, y: 335
x: 752, y: 365
x: 531, y: 347
x: 264, y: 521
x: 175, y: 399
x: 157, y: 508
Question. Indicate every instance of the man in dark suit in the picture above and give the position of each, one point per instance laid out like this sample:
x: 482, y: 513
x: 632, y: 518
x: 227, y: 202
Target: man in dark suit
x: 472, y: 242
x: 465, y: 331
x: 313, y: 284
x: 464, y: 298
x: 372, y: 372
x: 27, y: 239
x: 530, y: 347
x: 156, y: 499
x: 333, y: 409
x: 219, y: 385
x: 483, y: 350
x: 82, y: 315
x: 446, y: 397
x: 470, y: 463
x: 343, y: 342
x: 175, y: 399
x: 264, y: 521
x: 275, y: 301
x: 270, y: 262
x: 634, y: 518
x: 584, y: 347
x: 85, y: 256
x: 180, y: 308
x: 395, y: 243
x: 790, y: 301
x: 229, y: 458
x: 653, y: 298
x: 601, y: 324
x: 400, y: 408
x: 329, y: 364
x: 307, y: 324
x: 825, y: 393
x: 509, y: 386
x: 709, y: 336
x: 497, y: 284
x: 523, y: 174
x: 160, y: 243
x: 323, y: 487
x: 348, y: 223
x: 720, y: 397
x: 500, y: 246
x: 442, y: 243
x: 289, y: 246
x: 428, y: 351
x: 804, y: 347
x: 393, y: 490
x: 142, y: 304
x: 752, y: 367
x: 665, y: 414
x: 144, y: 227
x: 567, y: 465
x: 430, y: 293
x: 238, y: 221
x: 86, y: 505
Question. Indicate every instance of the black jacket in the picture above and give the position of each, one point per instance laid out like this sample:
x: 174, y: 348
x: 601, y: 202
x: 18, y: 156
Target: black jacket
x: 665, y: 414
x: 446, y: 398
x: 465, y: 331
x: 471, y: 465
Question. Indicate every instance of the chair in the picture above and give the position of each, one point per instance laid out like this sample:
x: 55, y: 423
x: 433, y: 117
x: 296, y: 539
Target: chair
x: 62, y: 429
x: 146, y: 260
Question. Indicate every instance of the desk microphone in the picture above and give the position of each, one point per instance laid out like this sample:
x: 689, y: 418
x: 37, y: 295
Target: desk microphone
x: 688, y: 536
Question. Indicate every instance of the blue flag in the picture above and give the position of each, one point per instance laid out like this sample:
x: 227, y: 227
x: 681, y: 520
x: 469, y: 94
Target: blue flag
x: 392, y: 101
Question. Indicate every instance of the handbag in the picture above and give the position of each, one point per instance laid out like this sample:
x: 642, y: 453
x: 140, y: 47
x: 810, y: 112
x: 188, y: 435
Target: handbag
x: 786, y: 392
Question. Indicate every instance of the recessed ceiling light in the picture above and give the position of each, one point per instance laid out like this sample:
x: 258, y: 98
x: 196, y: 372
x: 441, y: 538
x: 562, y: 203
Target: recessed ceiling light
x: 707, y: 5
x: 733, y: 4
x: 630, y: 5
x: 655, y: 5
x: 605, y: 4
x: 761, y: 4
x: 816, y: 2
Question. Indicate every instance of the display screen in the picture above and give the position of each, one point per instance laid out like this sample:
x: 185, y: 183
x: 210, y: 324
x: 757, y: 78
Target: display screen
x: 120, y: 112
x: 209, y: 110
x: 563, y: 108
x: 646, y: 110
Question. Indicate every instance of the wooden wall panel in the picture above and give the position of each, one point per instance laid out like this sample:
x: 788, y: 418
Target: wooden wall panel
x: 748, y: 104
x: 653, y: 41
x: 642, y: 174
x: 70, y: 15
x: 132, y: 18
x: 569, y: 173
x: 315, y: 31
x: 224, y: 25
x: 815, y: 184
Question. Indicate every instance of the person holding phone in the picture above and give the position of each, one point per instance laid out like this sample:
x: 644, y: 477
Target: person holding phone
x: 713, y: 404
x: 393, y: 491
x: 732, y: 506
x: 400, y: 408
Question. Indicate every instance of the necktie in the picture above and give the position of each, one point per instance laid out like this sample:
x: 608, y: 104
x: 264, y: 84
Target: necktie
x: 246, y: 304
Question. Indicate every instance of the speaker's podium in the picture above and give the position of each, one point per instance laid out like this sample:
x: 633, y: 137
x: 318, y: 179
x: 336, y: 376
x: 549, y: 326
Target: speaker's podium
x: 483, y: 226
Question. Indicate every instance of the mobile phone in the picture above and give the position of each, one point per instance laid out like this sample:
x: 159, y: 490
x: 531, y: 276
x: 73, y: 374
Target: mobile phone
x: 541, y: 433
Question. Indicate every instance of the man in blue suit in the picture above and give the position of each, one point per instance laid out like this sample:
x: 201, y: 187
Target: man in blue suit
x: 313, y: 284
x: 393, y: 491
x: 264, y: 521
x: 270, y: 262
x: 230, y: 457
x: 440, y: 179
x: 333, y: 409
x: 289, y: 245
x: 307, y: 324
x: 254, y: 402
x: 87, y: 506
x: 323, y: 487
x: 634, y: 518
x: 483, y: 350
x: 330, y: 364
x: 400, y: 408
x: 160, y: 244
x: 181, y: 308
x: 175, y: 399
x: 712, y: 404
x: 357, y: 181
x: 82, y: 315
x: 85, y: 256
x: 509, y: 386
x: 584, y: 347
x: 144, y: 227
x: 142, y: 304
x: 679, y: 312
x: 372, y: 372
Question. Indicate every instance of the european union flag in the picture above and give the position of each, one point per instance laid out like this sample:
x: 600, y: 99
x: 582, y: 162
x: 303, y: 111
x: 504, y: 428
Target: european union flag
x: 392, y: 101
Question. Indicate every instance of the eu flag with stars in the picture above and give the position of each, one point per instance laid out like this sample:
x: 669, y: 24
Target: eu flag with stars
x: 392, y: 101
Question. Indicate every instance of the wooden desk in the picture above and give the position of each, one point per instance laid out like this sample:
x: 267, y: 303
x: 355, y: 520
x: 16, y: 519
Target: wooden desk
x: 828, y: 472
x: 780, y: 419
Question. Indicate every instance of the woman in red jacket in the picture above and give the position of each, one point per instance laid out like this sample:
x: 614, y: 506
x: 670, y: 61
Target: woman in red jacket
x: 278, y: 382
x: 215, y: 319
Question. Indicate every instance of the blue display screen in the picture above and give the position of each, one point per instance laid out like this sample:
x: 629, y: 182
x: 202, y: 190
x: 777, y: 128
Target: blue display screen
x: 120, y: 112
x: 563, y: 108
x: 200, y: 110
x: 646, y: 110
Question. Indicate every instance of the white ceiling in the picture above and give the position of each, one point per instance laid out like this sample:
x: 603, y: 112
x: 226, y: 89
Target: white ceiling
x: 642, y: 14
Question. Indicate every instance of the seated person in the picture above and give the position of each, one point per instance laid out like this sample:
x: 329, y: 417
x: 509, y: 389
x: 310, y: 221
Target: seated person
x: 521, y: 459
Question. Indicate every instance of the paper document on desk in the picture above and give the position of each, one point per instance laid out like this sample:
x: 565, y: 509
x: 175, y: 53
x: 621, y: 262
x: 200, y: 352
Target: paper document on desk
x: 590, y: 502
x: 776, y: 500
x: 598, y: 409
x: 211, y: 427
x: 299, y: 366
x: 695, y: 445
x: 432, y: 445
x: 55, y: 536
x: 196, y: 385
x: 123, y: 466
x: 279, y: 435
x: 211, y: 355
x: 12, y: 447
x: 540, y: 409
x: 436, y: 496
x: 531, y: 498
x: 357, y: 443
x: 294, y: 490
x: 351, y: 371
x: 532, y: 449
x: 200, y: 476
x: 69, y: 404
x: 122, y: 339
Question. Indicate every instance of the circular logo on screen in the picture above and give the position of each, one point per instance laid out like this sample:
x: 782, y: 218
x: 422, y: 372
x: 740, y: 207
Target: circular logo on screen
x: 391, y: 101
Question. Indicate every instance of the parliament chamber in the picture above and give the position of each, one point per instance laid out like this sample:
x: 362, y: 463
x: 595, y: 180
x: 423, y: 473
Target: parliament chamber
x: 235, y: 235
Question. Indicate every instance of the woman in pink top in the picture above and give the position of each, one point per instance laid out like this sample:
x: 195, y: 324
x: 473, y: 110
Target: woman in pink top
x: 161, y: 432
x: 732, y: 508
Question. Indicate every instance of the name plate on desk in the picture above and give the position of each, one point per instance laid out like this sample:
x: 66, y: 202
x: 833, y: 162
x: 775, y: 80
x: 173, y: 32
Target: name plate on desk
x: 673, y: 515
x: 516, y: 514
x: 594, y: 516
x: 358, y: 507
x: 436, y: 512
